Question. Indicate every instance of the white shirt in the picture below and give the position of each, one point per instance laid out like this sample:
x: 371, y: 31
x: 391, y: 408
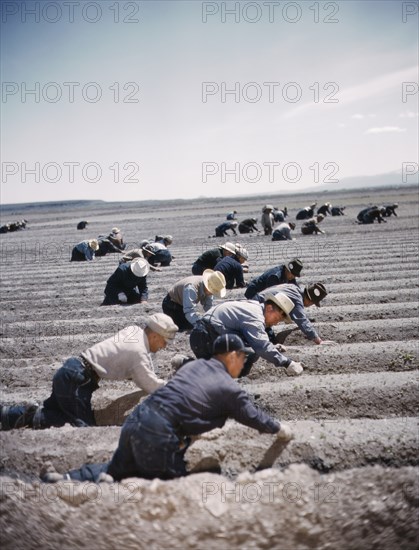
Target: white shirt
x: 125, y: 356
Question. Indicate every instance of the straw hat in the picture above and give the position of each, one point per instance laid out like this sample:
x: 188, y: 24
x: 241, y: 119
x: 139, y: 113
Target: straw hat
x: 214, y: 282
x: 94, y: 245
x: 148, y: 248
x: 283, y: 302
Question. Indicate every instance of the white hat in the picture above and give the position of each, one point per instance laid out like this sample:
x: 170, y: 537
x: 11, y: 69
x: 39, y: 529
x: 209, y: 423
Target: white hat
x: 115, y: 230
x: 242, y: 252
x: 215, y: 282
x: 94, y: 245
x: 168, y: 239
x: 140, y: 267
x: 230, y: 247
x: 283, y: 302
x: 234, y: 224
x: 163, y: 325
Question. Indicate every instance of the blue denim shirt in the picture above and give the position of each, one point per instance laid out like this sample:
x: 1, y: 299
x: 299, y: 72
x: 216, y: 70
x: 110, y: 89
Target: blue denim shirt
x: 85, y: 249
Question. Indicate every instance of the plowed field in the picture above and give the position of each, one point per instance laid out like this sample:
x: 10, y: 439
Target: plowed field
x: 349, y: 479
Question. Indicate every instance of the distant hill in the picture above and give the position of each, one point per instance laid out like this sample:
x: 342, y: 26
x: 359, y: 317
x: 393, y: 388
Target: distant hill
x: 357, y: 182
x: 50, y: 205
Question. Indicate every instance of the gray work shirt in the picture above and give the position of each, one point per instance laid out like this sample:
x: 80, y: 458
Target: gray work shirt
x: 246, y: 319
x: 298, y: 314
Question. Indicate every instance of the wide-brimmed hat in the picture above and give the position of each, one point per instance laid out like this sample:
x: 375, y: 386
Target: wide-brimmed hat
x: 316, y: 292
x: 230, y: 247
x: 227, y: 343
x: 163, y: 325
x: 115, y: 230
x: 320, y: 217
x: 242, y: 252
x: 268, y: 207
x: 283, y: 302
x: 215, y: 282
x: 168, y: 239
x: 148, y: 248
x: 140, y: 267
x: 295, y: 266
x: 234, y: 223
x: 292, y: 225
x: 94, y: 244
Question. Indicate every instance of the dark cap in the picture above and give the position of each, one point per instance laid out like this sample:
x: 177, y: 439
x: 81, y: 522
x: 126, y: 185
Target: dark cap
x: 295, y: 266
x: 316, y: 293
x: 229, y: 342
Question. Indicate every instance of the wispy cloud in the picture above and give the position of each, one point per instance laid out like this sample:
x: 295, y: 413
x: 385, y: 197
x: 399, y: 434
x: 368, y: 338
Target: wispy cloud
x: 386, y: 130
x: 370, y: 88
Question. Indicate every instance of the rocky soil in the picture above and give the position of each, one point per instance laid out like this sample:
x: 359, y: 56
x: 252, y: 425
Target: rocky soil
x: 350, y: 477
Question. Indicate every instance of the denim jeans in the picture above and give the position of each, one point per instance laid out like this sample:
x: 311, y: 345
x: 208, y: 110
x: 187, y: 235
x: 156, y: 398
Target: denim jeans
x: 148, y: 447
x: 162, y: 257
x: 69, y: 402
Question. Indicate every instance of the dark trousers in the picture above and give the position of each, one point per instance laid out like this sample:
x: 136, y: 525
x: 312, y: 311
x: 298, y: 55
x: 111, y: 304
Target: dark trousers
x: 133, y: 296
x: 148, y: 447
x: 175, y: 311
x: 162, y: 257
x: 69, y: 402
x: 243, y: 228
x: 77, y: 256
x: 202, y: 339
x: 308, y: 231
x: 197, y: 269
x: 278, y: 236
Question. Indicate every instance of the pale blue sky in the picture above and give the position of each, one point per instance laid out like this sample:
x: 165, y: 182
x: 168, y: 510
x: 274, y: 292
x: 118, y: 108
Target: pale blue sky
x: 170, y: 132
